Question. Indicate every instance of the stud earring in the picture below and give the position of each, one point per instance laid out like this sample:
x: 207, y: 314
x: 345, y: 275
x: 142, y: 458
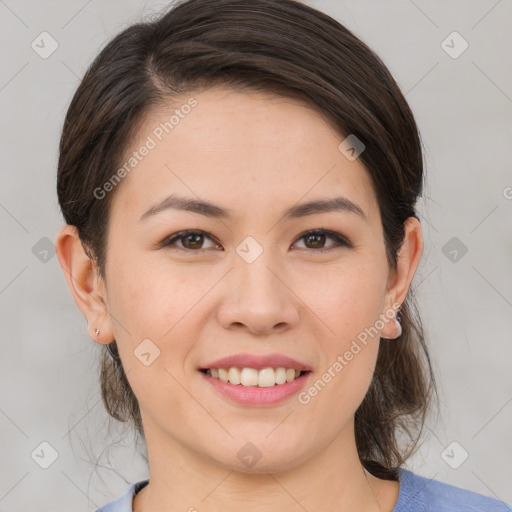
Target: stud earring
x: 97, y: 332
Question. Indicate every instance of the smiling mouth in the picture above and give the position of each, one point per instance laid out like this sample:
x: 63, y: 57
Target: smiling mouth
x: 252, y: 377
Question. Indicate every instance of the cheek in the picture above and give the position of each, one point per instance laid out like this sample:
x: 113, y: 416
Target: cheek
x: 347, y: 298
x: 167, y: 304
x: 151, y: 297
x: 153, y: 313
x: 348, y: 301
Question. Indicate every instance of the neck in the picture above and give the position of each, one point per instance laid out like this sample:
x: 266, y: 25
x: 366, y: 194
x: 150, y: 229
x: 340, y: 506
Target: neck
x: 332, y: 479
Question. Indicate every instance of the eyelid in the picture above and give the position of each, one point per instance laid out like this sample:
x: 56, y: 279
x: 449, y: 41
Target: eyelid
x: 341, y: 240
x: 169, y: 240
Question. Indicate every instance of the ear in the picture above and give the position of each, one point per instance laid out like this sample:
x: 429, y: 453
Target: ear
x: 400, y: 280
x: 85, y: 283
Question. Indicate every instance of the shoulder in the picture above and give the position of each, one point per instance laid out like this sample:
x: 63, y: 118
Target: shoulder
x: 420, y: 494
x: 124, y: 502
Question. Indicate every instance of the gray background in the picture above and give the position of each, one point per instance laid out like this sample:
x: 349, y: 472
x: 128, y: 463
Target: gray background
x: 463, y: 105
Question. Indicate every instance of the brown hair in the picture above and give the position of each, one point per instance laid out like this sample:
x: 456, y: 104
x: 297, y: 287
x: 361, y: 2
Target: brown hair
x: 290, y: 49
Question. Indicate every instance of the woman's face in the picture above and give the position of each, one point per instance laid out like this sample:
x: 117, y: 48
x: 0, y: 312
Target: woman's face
x: 250, y: 281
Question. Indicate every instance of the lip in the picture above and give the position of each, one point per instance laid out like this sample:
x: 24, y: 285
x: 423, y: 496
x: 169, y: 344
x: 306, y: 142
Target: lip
x: 255, y: 396
x: 258, y: 362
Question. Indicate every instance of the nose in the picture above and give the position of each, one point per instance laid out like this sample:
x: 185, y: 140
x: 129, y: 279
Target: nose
x: 258, y: 299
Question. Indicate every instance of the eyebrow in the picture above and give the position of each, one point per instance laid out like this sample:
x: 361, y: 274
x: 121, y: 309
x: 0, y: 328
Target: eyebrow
x: 207, y: 209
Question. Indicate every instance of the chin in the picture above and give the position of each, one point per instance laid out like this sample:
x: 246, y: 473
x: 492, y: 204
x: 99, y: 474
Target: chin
x: 260, y: 457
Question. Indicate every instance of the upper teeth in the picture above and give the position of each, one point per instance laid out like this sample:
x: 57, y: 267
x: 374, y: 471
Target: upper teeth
x: 266, y: 377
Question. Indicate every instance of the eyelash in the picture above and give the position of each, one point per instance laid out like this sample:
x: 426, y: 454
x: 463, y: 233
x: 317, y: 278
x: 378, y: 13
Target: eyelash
x: 340, y: 240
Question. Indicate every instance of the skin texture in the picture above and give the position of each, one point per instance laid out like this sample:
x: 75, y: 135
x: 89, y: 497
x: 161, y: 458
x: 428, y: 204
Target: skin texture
x: 257, y: 155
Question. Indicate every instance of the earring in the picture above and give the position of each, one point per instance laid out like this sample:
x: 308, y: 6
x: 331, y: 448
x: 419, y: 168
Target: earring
x: 398, y: 319
x: 399, y: 328
x: 97, y: 332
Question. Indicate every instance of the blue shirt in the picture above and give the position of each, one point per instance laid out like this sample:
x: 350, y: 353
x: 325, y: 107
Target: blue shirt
x: 417, y: 494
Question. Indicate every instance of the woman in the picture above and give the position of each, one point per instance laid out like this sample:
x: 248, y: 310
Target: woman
x: 238, y: 180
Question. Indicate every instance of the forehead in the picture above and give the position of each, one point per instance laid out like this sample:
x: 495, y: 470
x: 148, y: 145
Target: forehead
x: 249, y: 152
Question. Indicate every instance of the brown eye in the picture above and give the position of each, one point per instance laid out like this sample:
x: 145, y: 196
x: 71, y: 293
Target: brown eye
x: 190, y: 240
x: 193, y: 241
x: 316, y: 240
